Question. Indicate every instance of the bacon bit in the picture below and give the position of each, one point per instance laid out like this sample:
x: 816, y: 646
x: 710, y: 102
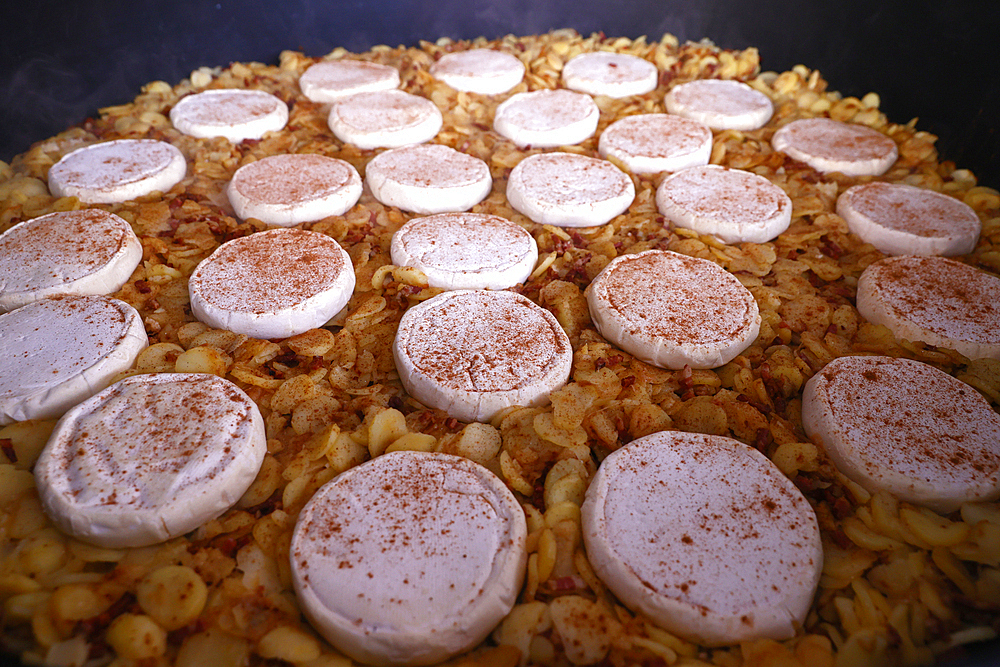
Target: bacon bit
x: 7, y: 447
x: 763, y: 439
x: 832, y: 329
x: 151, y: 304
x: 805, y: 484
x: 314, y: 364
x: 615, y: 359
x: 600, y: 363
x: 840, y: 539
x: 396, y: 403
x: 578, y: 240
x: 815, y: 280
x: 831, y: 249
x: 841, y: 508
x: 756, y: 405
x: 628, y: 381
x: 93, y: 628
x: 287, y: 358
x: 567, y: 583
x: 229, y: 546
x: 177, y: 637
x: 451, y: 423
x: 142, y: 287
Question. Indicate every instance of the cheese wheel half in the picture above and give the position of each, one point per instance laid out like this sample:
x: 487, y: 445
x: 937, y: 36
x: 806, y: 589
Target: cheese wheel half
x: 705, y: 536
x: 410, y: 558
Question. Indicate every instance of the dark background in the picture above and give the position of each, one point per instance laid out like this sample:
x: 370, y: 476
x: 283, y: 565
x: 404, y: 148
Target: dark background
x: 936, y: 61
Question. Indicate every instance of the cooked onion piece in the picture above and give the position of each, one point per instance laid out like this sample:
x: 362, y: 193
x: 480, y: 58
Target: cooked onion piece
x: 62, y: 350
x: 150, y: 458
x: 611, y: 74
x: 829, y: 145
x: 569, y: 190
x: 721, y: 104
x: 936, y: 301
x: 428, y: 178
x: 671, y: 310
x: 900, y: 219
x: 384, y: 119
x: 905, y: 427
x: 272, y: 284
x: 410, y: 558
x: 547, y: 118
x: 73, y: 252
x: 117, y: 171
x: 730, y: 204
x: 482, y: 71
x: 332, y: 80
x: 235, y: 114
x: 650, y: 143
x: 466, y: 250
x: 705, y: 536
x: 287, y: 190
x: 473, y: 353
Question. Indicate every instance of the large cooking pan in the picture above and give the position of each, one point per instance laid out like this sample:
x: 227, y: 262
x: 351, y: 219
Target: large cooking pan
x: 60, y: 62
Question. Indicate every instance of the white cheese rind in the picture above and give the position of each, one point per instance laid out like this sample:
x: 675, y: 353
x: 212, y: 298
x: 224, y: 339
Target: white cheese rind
x: 901, y: 219
x: 466, y: 250
x: 829, y: 145
x: 409, y: 559
x: 62, y: 350
x: 721, y: 104
x: 333, y: 80
x: 428, y: 178
x: 117, y: 171
x: 547, y: 118
x: 73, y: 252
x: 733, y: 205
x: 612, y: 74
x: 291, y: 189
x: 150, y: 458
x: 384, y: 119
x: 235, y: 114
x: 473, y: 353
x: 907, y: 428
x: 569, y: 190
x: 671, y: 310
x: 483, y: 71
x: 272, y: 284
x: 705, y: 536
x: 934, y: 300
x: 655, y: 142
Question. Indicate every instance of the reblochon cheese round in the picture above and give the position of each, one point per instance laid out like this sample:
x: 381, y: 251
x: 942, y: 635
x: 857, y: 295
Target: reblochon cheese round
x: 473, y: 353
x: 705, y: 536
x: 409, y: 559
x: 61, y: 350
x: 150, y: 458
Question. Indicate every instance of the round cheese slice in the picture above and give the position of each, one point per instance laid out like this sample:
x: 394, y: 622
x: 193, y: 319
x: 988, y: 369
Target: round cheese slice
x: 829, y: 145
x: 235, y: 114
x: 428, y: 178
x: 705, y: 536
x: 936, y: 301
x: 650, y: 143
x: 671, y: 310
x: 288, y: 190
x: 384, y: 119
x: 722, y: 104
x: 62, y: 350
x: 73, y: 252
x: 610, y: 74
x: 482, y: 71
x: 900, y: 219
x: 907, y: 428
x: 473, y: 353
x: 333, y: 80
x: 410, y: 558
x: 569, y: 190
x: 272, y: 284
x: 117, y: 171
x: 150, y: 458
x: 547, y: 118
x: 466, y: 250
x: 733, y: 205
